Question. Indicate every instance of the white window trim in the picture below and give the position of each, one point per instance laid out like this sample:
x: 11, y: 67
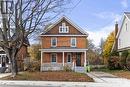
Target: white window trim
x: 75, y: 42
x: 52, y: 40
x: 64, y: 31
x: 56, y: 57
x: 70, y: 58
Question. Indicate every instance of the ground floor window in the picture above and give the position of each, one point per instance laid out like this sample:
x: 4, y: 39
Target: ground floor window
x: 53, y: 57
x: 3, y: 60
x: 69, y: 58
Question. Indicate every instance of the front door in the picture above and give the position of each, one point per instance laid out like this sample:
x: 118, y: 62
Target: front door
x: 78, y: 59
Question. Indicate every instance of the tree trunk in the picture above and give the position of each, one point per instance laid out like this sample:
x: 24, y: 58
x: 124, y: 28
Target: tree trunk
x: 13, y: 62
x: 14, y: 69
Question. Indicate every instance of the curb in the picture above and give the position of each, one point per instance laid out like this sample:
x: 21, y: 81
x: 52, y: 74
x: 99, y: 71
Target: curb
x: 45, y: 83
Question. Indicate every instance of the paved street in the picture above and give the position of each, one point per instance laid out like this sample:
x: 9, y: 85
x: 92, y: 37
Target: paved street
x: 60, y: 84
x: 24, y: 86
x: 72, y: 85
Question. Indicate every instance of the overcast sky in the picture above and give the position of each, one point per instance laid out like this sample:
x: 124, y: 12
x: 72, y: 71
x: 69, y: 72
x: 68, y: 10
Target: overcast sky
x: 98, y: 17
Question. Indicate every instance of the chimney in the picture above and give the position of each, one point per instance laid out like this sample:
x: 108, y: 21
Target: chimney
x: 116, y: 39
x: 116, y: 29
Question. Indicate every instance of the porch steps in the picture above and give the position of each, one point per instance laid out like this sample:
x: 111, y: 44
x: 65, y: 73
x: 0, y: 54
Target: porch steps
x: 79, y: 69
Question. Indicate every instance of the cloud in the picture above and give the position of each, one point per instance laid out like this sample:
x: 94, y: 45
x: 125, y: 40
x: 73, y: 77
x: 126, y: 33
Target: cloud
x: 108, y: 15
x: 97, y: 35
x: 104, y: 31
x: 124, y: 4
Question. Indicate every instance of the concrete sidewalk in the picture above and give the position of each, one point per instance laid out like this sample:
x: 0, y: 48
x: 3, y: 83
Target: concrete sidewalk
x: 4, y: 74
x: 106, y: 77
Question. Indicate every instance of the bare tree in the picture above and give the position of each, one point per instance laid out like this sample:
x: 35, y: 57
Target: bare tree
x: 101, y: 45
x: 21, y: 19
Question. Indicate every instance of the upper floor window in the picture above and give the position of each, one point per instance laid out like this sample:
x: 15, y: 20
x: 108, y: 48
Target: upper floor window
x: 63, y: 28
x: 73, y: 42
x: 126, y: 26
x: 54, y: 42
x: 119, y: 42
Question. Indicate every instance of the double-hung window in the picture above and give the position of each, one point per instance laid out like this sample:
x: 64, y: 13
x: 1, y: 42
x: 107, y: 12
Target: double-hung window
x: 53, y: 42
x: 73, y: 42
x: 53, y: 57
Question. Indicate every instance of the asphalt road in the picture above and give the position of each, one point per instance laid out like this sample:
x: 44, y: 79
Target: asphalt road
x: 25, y: 86
x: 73, y: 85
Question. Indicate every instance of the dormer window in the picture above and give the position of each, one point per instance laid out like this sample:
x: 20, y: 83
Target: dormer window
x: 63, y: 28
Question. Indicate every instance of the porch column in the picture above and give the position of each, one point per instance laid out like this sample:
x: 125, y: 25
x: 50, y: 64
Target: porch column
x: 84, y: 58
x: 63, y: 58
x: 41, y: 60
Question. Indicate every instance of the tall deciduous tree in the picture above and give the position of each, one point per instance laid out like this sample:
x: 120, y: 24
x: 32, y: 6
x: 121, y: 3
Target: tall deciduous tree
x: 101, y: 45
x: 22, y: 18
x: 108, y: 44
x: 34, y: 51
x: 93, y: 53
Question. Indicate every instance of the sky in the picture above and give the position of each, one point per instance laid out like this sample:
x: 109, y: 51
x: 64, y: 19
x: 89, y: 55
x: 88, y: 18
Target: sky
x: 98, y: 17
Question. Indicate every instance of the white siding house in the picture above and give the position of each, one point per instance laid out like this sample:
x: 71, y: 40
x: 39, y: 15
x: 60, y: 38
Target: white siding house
x: 123, y: 35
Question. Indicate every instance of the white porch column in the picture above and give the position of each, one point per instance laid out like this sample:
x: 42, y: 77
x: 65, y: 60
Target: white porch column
x: 63, y: 58
x: 84, y: 58
x: 41, y: 60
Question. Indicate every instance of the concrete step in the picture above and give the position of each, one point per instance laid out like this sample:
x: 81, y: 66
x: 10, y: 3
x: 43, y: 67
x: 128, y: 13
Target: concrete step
x: 80, y: 69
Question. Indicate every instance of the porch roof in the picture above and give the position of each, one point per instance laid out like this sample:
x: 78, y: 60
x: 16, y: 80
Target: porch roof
x: 63, y: 50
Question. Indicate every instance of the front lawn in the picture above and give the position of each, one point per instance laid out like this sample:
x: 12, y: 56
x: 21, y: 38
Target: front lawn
x: 52, y: 76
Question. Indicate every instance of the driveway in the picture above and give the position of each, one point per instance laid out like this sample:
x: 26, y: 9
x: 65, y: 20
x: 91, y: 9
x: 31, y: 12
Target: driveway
x: 4, y: 74
x: 106, y: 77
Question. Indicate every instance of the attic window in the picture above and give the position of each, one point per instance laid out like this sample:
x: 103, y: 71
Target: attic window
x: 63, y: 28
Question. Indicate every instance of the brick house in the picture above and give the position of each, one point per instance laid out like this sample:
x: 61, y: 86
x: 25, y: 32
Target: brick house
x: 63, y: 44
x: 22, y: 54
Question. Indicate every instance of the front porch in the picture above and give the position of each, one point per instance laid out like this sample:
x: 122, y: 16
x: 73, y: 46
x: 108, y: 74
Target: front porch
x: 57, y: 59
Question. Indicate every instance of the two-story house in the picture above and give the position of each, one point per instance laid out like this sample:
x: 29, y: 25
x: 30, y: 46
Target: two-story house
x: 123, y: 41
x: 63, y: 44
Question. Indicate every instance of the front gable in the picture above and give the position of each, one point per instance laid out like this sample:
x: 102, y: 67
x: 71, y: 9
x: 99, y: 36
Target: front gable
x: 64, y: 23
x: 123, y: 41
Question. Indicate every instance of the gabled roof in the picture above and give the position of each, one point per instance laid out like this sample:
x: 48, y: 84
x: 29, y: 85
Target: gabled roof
x: 126, y: 15
x: 69, y: 21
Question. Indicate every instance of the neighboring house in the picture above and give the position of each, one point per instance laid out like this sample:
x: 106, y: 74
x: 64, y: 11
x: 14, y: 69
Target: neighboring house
x: 123, y: 41
x: 22, y: 54
x: 63, y: 44
x: 3, y: 58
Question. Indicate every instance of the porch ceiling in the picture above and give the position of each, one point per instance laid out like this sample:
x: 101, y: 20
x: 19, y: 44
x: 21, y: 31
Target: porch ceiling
x: 63, y: 50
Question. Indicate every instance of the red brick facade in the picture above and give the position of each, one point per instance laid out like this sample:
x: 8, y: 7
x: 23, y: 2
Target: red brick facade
x: 63, y: 43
